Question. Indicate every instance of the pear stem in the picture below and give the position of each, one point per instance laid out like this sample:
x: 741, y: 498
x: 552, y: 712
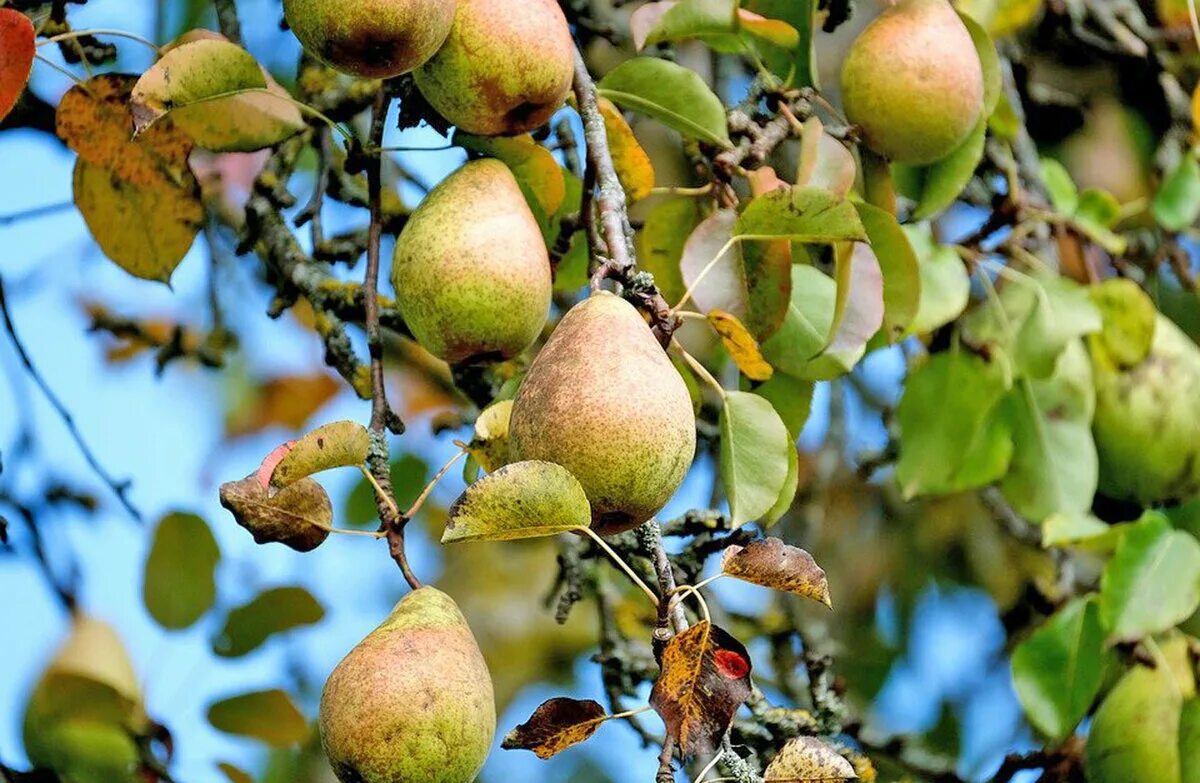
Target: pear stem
x: 683, y: 591
x: 420, y: 501
x: 709, y: 766
x: 380, y: 492
x: 629, y: 713
x: 700, y: 369
x: 637, y: 580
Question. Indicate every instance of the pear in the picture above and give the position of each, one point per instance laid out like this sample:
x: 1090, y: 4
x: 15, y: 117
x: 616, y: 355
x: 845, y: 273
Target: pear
x: 471, y: 270
x: 1147, y: 420
x: 912, y: 81
x: 86, y: 709
x: 505, y: 69
x: 375, y: 39
x: 603, y: 400
x: 413, y: 702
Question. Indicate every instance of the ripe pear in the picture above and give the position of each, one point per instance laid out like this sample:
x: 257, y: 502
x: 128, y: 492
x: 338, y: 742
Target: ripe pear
x: 505, y: 69
x: 471, y: 270
x: 413, y: 702
x: 603, y: 400
x: 912, y: 81
x: 1147, y: 420
x: 86, y: 709
x: 375, y: 39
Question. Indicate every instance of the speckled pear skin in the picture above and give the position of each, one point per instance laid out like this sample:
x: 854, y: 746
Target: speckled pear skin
x: 913, y: 82
x: 413, y: 702
x: 374, y: 39
x: 603, y: 400
x: 471, y: 270
x: 505, y: 69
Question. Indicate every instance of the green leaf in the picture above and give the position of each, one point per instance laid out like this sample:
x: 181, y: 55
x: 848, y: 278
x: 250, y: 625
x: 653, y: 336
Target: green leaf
x: 801, y: 214
x: 754, y: 456
x: 1152, y: 581
x: 1080, y: 529
x: 989, y: 60
x: 787, y: 495
x: 951, y: 439
x: 268, y: 716
x: 671, y: 94
x: 180, y: 585
x: 900, y: 267
x: 661, y: 242
x: 792, y: 398
x: 1097, y: 213
x: 271, y: 612
x: 218, y: 94
x: 858, y: 313
x: 942, y: 182
x: 409, y: 474
x: 945, y: 283
x: 341, y: 444
x: 796, y: 65
x: 1058, y: 670
x: 521, y: 500
x: 1054, y: 466
x: 1176, y: 205
x: 806, y: 327
x: 1189, y: 742
x: 712, y: 21
x: 1064, y: 196
x: 1129, y: 319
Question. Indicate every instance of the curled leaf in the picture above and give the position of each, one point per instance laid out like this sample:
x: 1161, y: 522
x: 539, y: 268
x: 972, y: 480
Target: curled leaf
x: 522, y: 500
x: 297, y: 516
x: 341, y: 444
x: 771, y: 563
x: 555, y: 726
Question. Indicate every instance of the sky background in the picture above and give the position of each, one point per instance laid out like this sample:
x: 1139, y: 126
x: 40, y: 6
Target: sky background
x: 166, y: 434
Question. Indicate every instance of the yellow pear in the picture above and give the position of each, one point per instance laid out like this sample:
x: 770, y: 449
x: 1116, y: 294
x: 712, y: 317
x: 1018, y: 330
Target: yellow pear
x: 603, y: 400
x: 471, y: 270
x: 912, y: 81
x: 505, y: 69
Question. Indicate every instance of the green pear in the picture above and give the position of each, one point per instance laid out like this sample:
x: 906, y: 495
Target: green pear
x: 603, y: 400
x: 912, y: 81
x: 413, y: 702
x: 505, y: 69
x: 1147, y: 421
x: 86, y: 709
x: 375, y: 39
x: 471, y: 270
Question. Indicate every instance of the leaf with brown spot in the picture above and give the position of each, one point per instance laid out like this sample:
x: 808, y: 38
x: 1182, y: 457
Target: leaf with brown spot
x: 340, y: 444
x: 297, y: 516
x: 634, y: 167
x: 16, y: 57
x: 809, y: 760
x: 771, y: 563
x: 555, y: 726
x: 741, y: 345
x: 705, y: 678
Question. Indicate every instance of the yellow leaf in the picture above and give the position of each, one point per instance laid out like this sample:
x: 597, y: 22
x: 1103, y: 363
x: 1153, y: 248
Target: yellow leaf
x: 741, y: 345
x: 634, y: 168
x: 1012, y: 15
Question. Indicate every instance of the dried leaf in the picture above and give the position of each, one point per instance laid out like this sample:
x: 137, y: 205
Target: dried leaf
x: 633, y: 165
x: 809, y: 760
x: 522, y: 500
x: 741, y: 345
x: 705, y: 678
x: 490, y: 447
x: 555, y: 726
x: 771, y: 563
x: 340, y: 444
x: 286, y: 401
x: 297, y: 516
x: 17, y: 49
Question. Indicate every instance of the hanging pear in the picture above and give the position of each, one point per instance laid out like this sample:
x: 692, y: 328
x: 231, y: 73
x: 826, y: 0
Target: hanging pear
x: 505, y: 69
x: 603, y: 401
x: 374, y: 39
x: 471, y: 270
x: 912, y: 81
x: 413, y: 702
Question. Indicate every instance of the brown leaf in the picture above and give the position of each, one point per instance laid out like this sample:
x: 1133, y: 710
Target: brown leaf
x: 297, y: 516
x: 809, y: 760
x: 555, y: 726
x: 705, y: 678
x: 16, y: 57
x: 741, y: 345
x: 285, y: 401
x: 771, y: 563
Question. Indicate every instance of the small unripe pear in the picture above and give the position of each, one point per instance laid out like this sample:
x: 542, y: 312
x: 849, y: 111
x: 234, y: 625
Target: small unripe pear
x: 413, y: 702
x: 505, y: 69
x: 471, y: 270
x: 375, y: 39
x: 912, y: 81
x: 1147, y: 421
x: 603, y: 400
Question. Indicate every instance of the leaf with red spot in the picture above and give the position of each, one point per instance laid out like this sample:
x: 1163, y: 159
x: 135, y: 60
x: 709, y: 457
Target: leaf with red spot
x: 555, y: 726
x: 771, y: 563
x: 705, y: 678
x: 16, y: 57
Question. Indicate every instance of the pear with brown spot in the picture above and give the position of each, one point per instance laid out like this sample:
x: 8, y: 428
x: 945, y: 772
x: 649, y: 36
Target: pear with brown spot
x: 505, y: 69
x: 912, y: 81
x: 375, y: 39
x: 602, y: 400
x: 413, y: 702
